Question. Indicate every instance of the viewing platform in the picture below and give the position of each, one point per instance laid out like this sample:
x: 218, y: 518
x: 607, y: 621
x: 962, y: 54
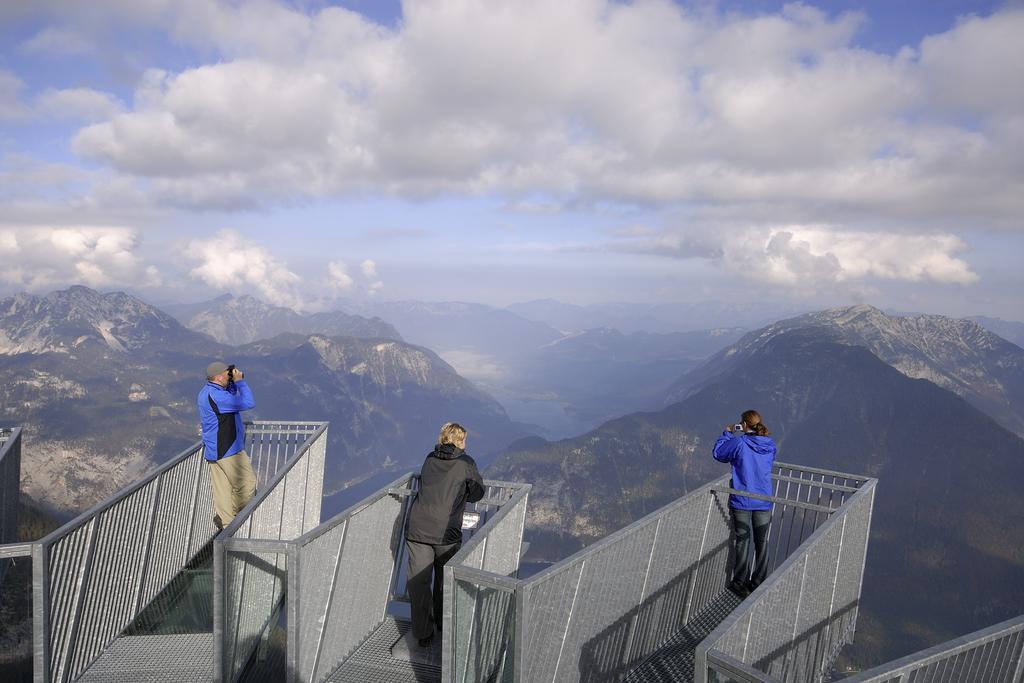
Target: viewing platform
x: 143, y: 588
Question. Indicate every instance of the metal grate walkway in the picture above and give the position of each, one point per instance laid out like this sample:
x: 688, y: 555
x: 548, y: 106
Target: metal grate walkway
x: 374, y: 661
x: 673, y: 662
x: 166, y: 658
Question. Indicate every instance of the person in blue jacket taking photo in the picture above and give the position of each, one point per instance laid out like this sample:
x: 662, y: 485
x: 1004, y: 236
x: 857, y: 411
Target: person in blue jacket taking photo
x: 751, y: 452
x: 220, y: 402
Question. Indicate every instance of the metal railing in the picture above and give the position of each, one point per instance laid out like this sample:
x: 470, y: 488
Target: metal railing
x: 479, y: 618
x: 992, y: 655
x: 793, y: 626
x: 341, y: 577
x: 10, y: 489
x: 93, y: 576
x: 600, y: 613
x: 249, y: 586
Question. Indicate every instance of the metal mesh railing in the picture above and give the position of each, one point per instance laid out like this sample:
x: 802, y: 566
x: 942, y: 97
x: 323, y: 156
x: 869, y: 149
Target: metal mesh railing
x: 343, y: 581
x: 479, y: 611
x: 992, y: 655
x: 342, y: 575
x: 600, y: 613
x: 249, y: 582
x: 793, y: 626
x: 10, y: 488
x: 597, y: 614
x: 94, y: 575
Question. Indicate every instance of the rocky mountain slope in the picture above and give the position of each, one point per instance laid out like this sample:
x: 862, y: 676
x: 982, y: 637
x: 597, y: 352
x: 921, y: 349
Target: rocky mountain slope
x: 947, y: 543
x: 959, y: 355
x: 80, y: 318
x: 386, y: 401
x: 105, y: 386
x: 1010, y: 330
x: 244, y: 319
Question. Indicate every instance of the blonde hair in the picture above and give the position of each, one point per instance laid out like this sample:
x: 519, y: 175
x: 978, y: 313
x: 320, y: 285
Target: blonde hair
x: 453, y: 433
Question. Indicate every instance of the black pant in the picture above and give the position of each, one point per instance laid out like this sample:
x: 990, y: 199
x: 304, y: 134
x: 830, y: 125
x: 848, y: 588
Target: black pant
x: 424, y: 560
x: 742, y: 523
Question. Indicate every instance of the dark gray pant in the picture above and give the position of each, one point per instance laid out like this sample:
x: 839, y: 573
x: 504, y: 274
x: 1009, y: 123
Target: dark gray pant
x: 743, y: 523
x: 424, y: 560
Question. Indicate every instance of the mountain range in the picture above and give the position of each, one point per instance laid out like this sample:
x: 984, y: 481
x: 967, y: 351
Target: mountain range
x: 105, y: 386
x: 947, y: 543
x: 956, y: 354
x: 245, y: 319
x: 1009, y: 330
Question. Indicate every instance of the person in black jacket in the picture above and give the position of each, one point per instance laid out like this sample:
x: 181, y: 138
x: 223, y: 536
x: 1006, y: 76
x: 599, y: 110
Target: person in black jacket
x: 448, y: 480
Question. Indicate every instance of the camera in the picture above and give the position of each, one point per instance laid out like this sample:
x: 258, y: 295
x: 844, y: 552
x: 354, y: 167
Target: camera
x: 735, y: 428
x: 231, y: 376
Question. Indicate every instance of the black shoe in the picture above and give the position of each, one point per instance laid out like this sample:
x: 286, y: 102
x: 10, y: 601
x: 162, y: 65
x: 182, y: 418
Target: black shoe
x: 739, y: 588
x: 425, y: 642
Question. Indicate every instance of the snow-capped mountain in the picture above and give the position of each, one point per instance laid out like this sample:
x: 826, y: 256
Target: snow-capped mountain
x: 105, y: 386
x: 956, y: 354
x: 80, y: 317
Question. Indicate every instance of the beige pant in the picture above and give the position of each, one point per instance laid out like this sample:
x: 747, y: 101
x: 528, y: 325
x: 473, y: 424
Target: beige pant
x: 234, y: 484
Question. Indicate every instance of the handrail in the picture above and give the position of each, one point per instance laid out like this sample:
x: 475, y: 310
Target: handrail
x: 521, y: 491
x: 340, y: 574
x: 592, y: 549
x: 93, y: 575
x: 104, y: 505
x: 774, y: 499
x: 1003, y: 656
x: 64, y: 575
x: 245, y: 514
x: 819, y: 470
x: 781, y: 573
x: 258, y: 587
x: 505, y: 528
x: 10, y: 488
x: 12, y: 550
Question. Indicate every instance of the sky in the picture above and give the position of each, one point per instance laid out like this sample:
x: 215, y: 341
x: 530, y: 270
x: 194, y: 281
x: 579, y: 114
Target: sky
x: 805, y: 154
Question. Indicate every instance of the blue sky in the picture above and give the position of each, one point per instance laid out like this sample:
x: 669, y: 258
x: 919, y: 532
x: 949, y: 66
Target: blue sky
x: 810, y: 154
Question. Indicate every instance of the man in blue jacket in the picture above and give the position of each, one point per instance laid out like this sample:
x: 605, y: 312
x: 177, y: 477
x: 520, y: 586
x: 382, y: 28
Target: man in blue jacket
x: 220, y: 403
x: 751, y: 452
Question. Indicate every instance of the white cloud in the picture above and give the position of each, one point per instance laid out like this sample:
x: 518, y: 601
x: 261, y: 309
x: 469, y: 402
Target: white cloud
x: 369, y: 268
x: 776, y: 116
x: 338, y: 278
x: 58, y: 41
x: 229, y: 262
x: 40, y: 257
x: 82, y: 104
x: 809, y: 257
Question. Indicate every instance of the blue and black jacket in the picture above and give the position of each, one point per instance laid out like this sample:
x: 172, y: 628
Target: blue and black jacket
x: 219, y: 413
x: 751, y: 457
